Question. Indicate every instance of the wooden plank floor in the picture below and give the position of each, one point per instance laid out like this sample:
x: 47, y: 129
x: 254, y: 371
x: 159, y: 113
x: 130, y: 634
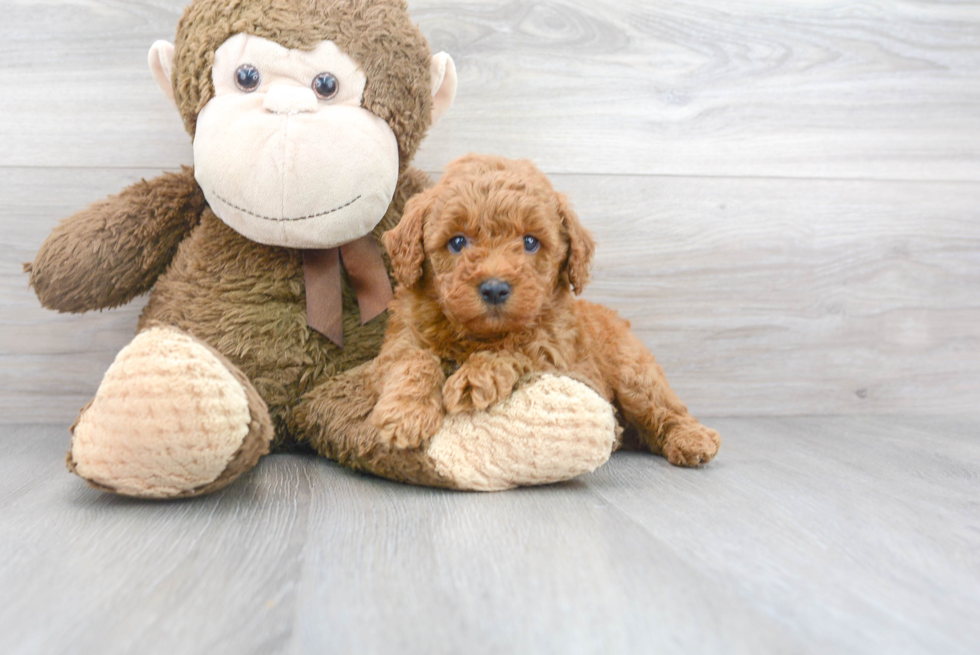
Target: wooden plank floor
x: 807, y: 535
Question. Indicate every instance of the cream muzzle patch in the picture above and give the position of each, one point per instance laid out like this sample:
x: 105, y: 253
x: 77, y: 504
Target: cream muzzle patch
x: 323, y: 169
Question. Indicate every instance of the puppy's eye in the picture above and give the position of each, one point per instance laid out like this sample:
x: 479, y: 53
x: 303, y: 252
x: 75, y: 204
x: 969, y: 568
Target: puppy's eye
x: 247, y: 78
x: 531, y: 244
x: 456, y: 244
x: 326, y: 85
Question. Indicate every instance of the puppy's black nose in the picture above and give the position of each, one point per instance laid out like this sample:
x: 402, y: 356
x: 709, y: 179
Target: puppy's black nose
x: 494, y: 291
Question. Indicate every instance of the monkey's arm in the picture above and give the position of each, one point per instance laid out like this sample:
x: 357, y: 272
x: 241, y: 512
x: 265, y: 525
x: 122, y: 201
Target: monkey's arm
x: 114, y: 250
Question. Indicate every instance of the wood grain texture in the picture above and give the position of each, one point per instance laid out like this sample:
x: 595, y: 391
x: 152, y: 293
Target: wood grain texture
x: 762, y: 289
x: 806, y: 535
x: 758, y: 296
x: 50, y: 363
x: 787, y: 203
x: 821, y: 88
x: 85, y: 572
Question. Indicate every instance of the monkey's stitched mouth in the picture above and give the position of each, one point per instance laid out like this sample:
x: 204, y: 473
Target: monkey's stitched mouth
x: 280, y: 220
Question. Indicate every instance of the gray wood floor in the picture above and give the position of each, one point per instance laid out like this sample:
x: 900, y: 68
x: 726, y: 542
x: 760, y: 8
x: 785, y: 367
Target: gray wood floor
x: 808, y: 535
x: 786, y: 196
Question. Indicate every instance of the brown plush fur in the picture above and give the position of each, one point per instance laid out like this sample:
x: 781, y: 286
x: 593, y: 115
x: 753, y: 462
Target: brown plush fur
x: 249, y: 302
x: 244, y: 299
x: 106, y: 255
x: 447, y: 350
x: 337, y: 414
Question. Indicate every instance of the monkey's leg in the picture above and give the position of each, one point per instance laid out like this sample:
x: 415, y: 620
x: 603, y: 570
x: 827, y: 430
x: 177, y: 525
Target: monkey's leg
x: 551, y: 429
x: 172, y: 418
x: 648, y: 402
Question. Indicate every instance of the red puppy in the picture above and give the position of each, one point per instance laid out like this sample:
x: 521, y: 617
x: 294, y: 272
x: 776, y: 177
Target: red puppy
x: 488, y: 260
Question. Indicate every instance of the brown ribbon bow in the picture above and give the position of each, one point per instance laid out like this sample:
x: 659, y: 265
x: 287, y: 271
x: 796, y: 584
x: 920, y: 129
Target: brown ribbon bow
x: 324, y: 298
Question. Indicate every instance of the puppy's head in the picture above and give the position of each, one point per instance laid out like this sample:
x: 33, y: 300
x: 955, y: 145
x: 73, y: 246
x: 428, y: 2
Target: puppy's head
x: 492, y: 243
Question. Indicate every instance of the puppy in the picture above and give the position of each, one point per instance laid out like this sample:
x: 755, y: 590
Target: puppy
x: 488, y: 261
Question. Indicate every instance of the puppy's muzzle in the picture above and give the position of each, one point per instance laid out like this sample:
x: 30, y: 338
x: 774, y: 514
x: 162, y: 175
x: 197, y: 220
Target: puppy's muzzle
x: 494, y: 292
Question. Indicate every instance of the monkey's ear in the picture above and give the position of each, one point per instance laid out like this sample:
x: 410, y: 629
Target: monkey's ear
x: 161, y: 60
x: 404, y: 241
x: 443, y: 85
x: 581, y: 247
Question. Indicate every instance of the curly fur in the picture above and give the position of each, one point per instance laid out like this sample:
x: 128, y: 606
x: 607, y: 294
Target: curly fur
x: 447, y: 350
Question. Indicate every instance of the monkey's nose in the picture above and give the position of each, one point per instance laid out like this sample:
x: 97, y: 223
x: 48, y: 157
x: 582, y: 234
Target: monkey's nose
x: 494, y: 291
x: 284, y: 99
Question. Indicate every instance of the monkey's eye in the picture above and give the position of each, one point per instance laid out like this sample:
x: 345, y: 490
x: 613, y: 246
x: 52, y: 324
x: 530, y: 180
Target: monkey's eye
x: 456, y: 244
x: 247, y: 78
x: 325, y: 85
x: 531, y: 244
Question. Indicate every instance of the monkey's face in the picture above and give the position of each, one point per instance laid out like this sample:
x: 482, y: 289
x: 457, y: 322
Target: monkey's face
x: 284, y: 151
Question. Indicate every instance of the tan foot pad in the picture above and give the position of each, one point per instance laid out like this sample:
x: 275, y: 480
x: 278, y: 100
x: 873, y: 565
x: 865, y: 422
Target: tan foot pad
x: 550, y: 430
x: 168, y: 418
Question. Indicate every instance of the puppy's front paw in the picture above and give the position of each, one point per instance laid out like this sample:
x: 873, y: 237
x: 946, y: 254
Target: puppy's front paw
x: 484, y: 380
x: 405, y: 424
x: 691, y: 445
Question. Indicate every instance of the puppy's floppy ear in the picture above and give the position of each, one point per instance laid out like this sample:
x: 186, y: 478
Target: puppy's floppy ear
x: 581, y: 247
x: 404, y: 241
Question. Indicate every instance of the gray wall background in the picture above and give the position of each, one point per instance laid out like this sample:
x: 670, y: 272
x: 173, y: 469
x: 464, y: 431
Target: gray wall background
x: 786, y: 195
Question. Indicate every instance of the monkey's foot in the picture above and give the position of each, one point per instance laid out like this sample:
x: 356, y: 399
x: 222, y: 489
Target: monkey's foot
x: 172, y: 418
x: 549, y: 430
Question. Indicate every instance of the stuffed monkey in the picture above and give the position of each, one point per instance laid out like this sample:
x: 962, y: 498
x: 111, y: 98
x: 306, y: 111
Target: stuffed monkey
x: 264, y: 269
